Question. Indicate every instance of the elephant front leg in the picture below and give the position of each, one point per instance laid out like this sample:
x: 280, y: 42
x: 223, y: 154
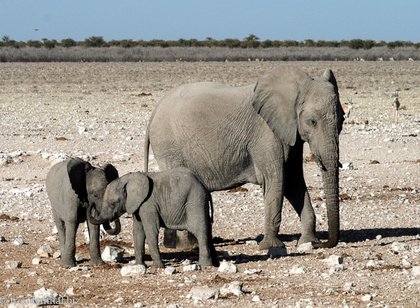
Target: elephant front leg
x: 273, y: 208
x: 139, y: 239
x: 94, y: 246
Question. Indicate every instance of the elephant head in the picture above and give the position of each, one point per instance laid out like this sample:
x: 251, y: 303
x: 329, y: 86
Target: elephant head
x: 300, y: 109
x: 89, y: 183
x: 125, y: 194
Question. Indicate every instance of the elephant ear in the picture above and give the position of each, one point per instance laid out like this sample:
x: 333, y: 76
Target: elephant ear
x: 275, y: 99
x: 77, y: 169
x: 138, y: 189
x: 328, y: 75
x: 111, y: 173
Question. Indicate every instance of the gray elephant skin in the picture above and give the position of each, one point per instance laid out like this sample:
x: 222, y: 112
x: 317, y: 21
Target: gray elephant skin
x: 71, y: 185
x: 174, y: 199
x: 229, y: 136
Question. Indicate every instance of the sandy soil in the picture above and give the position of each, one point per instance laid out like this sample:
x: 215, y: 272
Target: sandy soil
x: 99, y: 112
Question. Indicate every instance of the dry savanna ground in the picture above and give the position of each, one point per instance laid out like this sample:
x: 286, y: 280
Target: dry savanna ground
x: 99, y: 112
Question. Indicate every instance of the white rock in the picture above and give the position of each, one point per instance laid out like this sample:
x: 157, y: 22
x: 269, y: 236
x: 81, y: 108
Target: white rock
x: 78, y: 268
x: 256, y: 299
x: 54, y: 230
x: 12, y: 264
x: 202, y: 293
x: 275, y: 252
x: 416, y: 271
x: 133, y: 270
x: 252, y: 271
x: 18, y: 241
x: 297, y: 270
x: 170, y: 270
x: 366, y: 298
x: 26, y: 304
x: 191, y: 267
x: 70, y: 291
x: 112, y: 254
x: 235, y: 288
x: 397, y: 247
x: 36, y: 261
x: 227, y: 267
x: 333, y: 260
x: 56, y: 254
x: 45, y: 296
x: 45, y: 251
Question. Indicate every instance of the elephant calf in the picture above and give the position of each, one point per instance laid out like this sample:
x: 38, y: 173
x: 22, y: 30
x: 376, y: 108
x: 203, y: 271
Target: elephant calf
x: 173, y: 199
x: 71, y: 185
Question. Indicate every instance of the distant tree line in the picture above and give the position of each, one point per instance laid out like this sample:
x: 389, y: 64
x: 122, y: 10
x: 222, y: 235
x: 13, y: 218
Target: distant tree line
x: 251, y: 41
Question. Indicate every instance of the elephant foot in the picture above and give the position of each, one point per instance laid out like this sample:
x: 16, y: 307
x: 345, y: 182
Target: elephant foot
x: 96, y: 262
x: 308, y: 238
x: 67, y: 263
x: 158, y: 264
x: 270, y: 241
x: 206, y: 262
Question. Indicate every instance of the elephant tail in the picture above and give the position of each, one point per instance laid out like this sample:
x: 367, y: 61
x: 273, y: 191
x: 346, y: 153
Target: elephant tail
x: 211, y: 208
x: 146, y: 150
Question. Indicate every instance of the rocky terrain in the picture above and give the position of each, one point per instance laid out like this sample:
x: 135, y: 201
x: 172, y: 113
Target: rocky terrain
x: 99, y: 112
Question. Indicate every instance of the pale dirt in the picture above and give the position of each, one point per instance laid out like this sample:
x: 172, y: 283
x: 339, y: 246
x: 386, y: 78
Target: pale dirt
x: 99, y: 111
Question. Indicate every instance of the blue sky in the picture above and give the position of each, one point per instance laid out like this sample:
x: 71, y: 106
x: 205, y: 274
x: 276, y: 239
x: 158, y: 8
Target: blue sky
x: 387, y: 20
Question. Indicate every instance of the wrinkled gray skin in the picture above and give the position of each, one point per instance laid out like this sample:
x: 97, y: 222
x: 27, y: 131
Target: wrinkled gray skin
x: 229, y: 136
x: 67, y: 190
x: 173, y: 199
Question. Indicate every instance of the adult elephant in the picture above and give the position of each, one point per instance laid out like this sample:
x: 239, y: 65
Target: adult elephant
x: 229, y: 136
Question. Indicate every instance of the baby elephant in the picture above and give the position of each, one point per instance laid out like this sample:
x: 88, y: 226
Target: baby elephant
x: 71, y: 186
x: 173, y: 199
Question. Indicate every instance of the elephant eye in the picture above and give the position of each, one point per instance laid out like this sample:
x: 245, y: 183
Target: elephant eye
x: 312, y: 122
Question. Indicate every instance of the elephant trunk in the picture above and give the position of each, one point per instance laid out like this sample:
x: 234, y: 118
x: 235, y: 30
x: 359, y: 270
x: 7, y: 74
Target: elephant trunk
x: 330, y: 179
x: 94, y: 218
x: 329, y: 165
x: 112, y: 231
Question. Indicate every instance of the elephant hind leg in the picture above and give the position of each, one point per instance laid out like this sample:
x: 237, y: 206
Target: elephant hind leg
x: 68, y: 257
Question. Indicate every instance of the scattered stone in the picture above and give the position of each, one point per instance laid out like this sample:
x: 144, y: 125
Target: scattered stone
x: 256, y: 299
x: 78, y: 268
x: 379, y: 237
x: 235, y: 288
x: 56, y: 254
x: 191, y: 267
x: 36, y: 261
x: 54, y: 230
x: 18, y: 241
x: 397, y: 247
x: 366, y: 298
x: 251, y: 242
x: 202, y: 293
x: 252, y: 271
x: 333, y: 260
x: 275, y: 252
x: 45, y: 296
x: 416, y: 271
x: 45, y: 251
x: 347, y: 166
x: 348, y: 286
x: 133, y: 270
x: 227, y: 267
x: 297, y: 270
x: 70, y: 291
x: 170, y: 270
x: 305, y: 247
x: 2, y: 239
x: 13, y: 264
x: 112, y: 254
